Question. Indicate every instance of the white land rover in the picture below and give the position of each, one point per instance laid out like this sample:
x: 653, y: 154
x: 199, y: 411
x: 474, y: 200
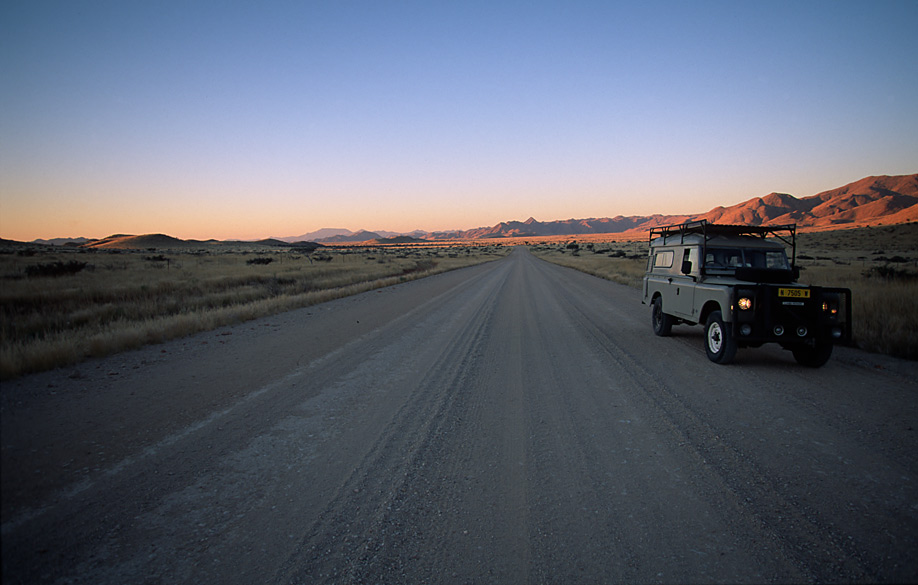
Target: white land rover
x: 737, y: 281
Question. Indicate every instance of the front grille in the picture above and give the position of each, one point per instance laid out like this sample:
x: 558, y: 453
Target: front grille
x: 791, y: 319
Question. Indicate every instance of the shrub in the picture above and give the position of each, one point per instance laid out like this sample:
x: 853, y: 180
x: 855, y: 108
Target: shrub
x: 889, y: 273
x: 55, y: 268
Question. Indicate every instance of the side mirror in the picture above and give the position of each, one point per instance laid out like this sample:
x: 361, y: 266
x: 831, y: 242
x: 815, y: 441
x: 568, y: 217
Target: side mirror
x: 796, y: 273
x: 686, y: 267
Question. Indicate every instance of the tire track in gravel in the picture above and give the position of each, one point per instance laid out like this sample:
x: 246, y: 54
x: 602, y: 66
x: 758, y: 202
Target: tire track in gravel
x: 636, y: 391
x: 381, y: 478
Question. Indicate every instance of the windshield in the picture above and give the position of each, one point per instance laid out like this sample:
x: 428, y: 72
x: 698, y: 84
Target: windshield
x: 727, y: 260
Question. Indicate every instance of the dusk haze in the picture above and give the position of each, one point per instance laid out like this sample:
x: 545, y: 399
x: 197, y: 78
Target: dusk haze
x: 249, y: 120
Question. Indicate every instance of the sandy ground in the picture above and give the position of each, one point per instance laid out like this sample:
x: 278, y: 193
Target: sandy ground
x: 514, y: 422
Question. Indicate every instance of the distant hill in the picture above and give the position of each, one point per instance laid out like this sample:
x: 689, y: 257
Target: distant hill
x: 62, y: 241
x: 318, y: 235
x: 164, y: 242
x: 361, y: 236
x: 341, y: 235
x: 271, y: 242
x: 124, y: 241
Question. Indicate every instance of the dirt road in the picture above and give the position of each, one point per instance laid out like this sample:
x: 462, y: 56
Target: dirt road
x: 514, y: 422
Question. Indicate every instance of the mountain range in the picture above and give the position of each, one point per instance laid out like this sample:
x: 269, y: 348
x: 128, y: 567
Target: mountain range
x: 870, y: 201
x: 340, y: 236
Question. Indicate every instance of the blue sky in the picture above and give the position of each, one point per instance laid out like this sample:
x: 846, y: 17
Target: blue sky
x: 256, y: 119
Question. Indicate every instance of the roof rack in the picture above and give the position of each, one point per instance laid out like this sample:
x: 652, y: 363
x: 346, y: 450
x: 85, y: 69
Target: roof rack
x: 787, y: 233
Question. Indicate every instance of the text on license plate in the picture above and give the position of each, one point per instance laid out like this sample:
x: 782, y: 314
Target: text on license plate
x: 794, y: 293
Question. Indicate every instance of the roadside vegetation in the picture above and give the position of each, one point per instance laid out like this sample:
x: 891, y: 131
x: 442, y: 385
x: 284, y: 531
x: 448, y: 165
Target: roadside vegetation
x: 60, y: 306
x: 878, y: 264
x: 621, y: 262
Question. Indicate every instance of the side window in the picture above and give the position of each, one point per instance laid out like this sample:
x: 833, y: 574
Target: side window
x: 776, y: 260
x: 689, y: 255
x: 723, y: 258
x: 663, y: 259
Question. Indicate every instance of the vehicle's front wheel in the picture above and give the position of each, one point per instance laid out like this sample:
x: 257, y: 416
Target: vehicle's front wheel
x: 813, y: 357
x: 662, y: 323
x: 719, y: 343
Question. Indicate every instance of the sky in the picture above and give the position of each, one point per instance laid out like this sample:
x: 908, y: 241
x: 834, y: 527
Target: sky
x: 255, y: 119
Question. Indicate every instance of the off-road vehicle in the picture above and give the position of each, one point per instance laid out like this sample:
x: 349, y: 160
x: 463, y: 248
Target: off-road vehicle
x: 737, y: 281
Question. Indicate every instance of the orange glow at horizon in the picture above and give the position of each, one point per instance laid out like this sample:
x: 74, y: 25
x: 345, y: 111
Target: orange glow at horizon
x: 275, y: 123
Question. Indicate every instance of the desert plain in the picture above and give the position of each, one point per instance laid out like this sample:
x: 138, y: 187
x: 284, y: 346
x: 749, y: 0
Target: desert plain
x: 510, y: 421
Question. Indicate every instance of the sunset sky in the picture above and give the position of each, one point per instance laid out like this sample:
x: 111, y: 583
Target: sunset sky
x: 255, y: 119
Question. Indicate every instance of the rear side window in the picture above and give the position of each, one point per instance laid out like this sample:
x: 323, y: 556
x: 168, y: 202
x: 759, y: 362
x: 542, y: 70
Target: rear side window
x: 729, y: 259
x: 663, y: 259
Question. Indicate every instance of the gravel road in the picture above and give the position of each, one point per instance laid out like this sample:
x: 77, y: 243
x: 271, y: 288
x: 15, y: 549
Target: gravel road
x: 513, y: 422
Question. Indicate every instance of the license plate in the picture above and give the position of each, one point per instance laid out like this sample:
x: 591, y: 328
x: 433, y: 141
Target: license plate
x: 794, y: 293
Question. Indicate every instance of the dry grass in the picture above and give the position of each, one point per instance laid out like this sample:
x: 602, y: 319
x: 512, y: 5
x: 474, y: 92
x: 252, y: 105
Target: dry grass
x: 621, y: 262
x: 878, y: 264
x: 884, y: 312
x: 123, y: 300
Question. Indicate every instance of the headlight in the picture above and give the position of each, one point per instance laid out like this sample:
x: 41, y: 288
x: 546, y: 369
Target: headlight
x: 745, y: 303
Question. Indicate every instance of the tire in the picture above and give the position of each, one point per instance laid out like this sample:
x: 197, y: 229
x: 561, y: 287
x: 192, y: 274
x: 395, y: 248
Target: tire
x: 661, y: 322
x: 813, y: 357
x: 719, y: 342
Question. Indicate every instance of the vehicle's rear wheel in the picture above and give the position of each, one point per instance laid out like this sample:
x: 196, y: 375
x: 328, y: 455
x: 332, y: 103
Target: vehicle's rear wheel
x: 662, y: 323
x: 813, y: 357
x: 719, y: 343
